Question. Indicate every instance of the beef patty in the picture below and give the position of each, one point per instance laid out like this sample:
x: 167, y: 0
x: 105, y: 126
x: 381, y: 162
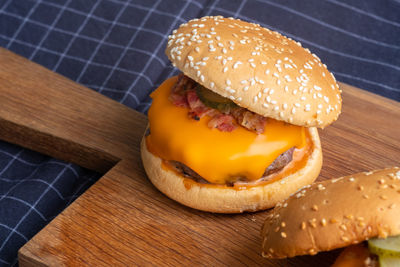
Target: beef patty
x: 279, y: 163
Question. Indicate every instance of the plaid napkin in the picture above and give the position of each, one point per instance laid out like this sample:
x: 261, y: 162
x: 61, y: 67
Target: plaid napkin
x: 116, y: 47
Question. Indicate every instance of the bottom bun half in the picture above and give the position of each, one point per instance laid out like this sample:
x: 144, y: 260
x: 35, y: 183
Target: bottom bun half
x: 224, y: 199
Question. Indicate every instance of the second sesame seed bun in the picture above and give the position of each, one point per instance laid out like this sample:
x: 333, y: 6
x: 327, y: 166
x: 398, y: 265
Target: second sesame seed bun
x: 257, y: 68
x: 333, y: 214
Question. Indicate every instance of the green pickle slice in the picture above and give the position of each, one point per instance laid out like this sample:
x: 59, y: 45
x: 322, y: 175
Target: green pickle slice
x: 387, y: 261
x: 214, y: 100
x: 388, y: 247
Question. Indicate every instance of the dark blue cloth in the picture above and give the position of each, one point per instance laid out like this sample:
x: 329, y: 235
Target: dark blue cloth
x: 116, y: 47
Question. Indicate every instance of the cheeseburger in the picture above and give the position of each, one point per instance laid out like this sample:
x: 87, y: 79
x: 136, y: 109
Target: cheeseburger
x: 236, y: 130
x: 343, y: 212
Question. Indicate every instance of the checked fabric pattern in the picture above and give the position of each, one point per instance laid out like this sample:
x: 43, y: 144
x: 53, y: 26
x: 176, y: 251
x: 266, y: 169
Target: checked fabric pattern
x: 116, y: 47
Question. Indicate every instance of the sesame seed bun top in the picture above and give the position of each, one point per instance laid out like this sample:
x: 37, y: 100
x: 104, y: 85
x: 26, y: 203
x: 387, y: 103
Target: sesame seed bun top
x: 333, y: 214
x: 257, y: 68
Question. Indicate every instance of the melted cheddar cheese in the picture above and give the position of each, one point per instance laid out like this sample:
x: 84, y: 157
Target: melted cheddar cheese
x: 215, y: 155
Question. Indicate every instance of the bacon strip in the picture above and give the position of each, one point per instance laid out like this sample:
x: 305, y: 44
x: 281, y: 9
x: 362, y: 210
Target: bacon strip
x: 250, y: 120
x: 222, y: 122
x: 184, y: 95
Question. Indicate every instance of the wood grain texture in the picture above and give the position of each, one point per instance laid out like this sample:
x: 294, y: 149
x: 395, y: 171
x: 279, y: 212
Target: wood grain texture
x: 122, y: 219
x: 46, y: 112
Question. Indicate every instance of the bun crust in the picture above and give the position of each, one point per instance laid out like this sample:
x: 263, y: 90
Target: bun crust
x: 219, y: 199
x: 333, y: 214
x: 257, y: 68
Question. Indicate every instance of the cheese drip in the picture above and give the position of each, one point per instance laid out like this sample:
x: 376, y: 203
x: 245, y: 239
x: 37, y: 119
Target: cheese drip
x: 216, y: 156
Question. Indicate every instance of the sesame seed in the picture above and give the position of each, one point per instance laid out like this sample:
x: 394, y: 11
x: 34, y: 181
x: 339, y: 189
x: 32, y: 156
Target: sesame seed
x: 283, y: 224
x: 343, y: 227
x: 293, y: 111
x: 285, y: 106
x: 202, y: 78
x: 266, y: 72
x: 243, y: 82
x: 312, y: 223
x: 345, y: 239
x: 212, y: 84
x: 255, y: 99
x: 236, y: 64
x: 323, y: 222
x: 197, y: 49
x: 245, y: 88
x: 283, y: 234
x: 381, y: 181
x: 271, y: 91
x: 265, y: 105
x: 252, y: 65
x: 303, y: 226
x: 314, y: 208
x: 225, y: 69
x: 383, y: 197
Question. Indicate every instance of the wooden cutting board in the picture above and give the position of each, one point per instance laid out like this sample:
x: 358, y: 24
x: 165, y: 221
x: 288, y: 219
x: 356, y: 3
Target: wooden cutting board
x: 122, y: 219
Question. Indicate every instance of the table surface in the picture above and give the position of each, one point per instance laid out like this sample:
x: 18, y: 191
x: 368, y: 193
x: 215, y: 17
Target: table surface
x: 117, y: 48
x: 122, y: 219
